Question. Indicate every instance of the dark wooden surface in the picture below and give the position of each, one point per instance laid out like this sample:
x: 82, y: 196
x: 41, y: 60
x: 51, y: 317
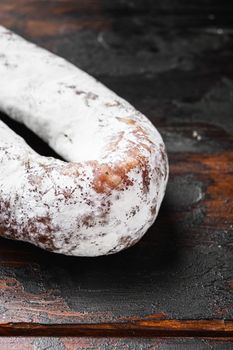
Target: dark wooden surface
x: 66, y: 343
x: 174, y: 61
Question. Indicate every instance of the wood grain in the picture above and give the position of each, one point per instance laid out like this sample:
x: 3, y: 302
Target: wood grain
x: 143, y: 328
x: 173, y: 61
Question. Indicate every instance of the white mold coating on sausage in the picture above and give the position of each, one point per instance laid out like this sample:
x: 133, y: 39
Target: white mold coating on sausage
x: 108, y: 191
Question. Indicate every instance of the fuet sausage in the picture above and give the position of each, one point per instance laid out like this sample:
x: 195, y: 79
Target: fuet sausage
x: 107, y: 192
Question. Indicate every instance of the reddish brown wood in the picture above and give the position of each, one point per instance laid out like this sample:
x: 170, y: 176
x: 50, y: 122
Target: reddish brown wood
x: 53, y: 18
x: 144, y: 328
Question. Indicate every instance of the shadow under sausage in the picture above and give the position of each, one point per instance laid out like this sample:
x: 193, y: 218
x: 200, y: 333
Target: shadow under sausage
x: 158, y: 251
x: 154, y: 257
x: 31, y: 139
x: 149, y: 262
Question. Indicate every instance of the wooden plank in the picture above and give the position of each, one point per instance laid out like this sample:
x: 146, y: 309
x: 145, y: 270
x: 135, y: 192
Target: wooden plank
x: 183, y: 81
x: 66, y: 343
x: 143, y: 328
x: 181, y: 269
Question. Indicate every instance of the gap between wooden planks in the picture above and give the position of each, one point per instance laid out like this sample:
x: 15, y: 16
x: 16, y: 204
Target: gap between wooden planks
x: 156, y: 328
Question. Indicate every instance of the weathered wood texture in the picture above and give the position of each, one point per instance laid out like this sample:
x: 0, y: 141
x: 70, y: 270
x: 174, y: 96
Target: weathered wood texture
x: 114, y: 344
x: 143, y: 328
x: 173, y: 61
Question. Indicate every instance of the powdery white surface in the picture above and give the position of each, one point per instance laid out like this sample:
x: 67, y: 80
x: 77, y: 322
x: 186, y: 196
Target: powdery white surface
x: 109, y: 192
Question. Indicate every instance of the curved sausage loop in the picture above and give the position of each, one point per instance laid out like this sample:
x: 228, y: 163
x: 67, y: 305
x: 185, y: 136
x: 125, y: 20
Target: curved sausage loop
x: 108, y: 191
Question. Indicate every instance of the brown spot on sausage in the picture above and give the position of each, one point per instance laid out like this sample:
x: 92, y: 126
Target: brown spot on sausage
x: 107, y: 178
x: 88, y: 220
x: 153, y: 210
x: 115, y: 142
x: 126, y: 120
x: 113, y: 104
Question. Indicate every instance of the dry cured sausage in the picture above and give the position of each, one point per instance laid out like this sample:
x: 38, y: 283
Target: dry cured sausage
x: 107, y: 192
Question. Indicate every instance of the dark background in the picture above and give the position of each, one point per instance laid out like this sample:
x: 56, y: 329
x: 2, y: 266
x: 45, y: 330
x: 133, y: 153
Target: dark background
x: 173, y: 60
